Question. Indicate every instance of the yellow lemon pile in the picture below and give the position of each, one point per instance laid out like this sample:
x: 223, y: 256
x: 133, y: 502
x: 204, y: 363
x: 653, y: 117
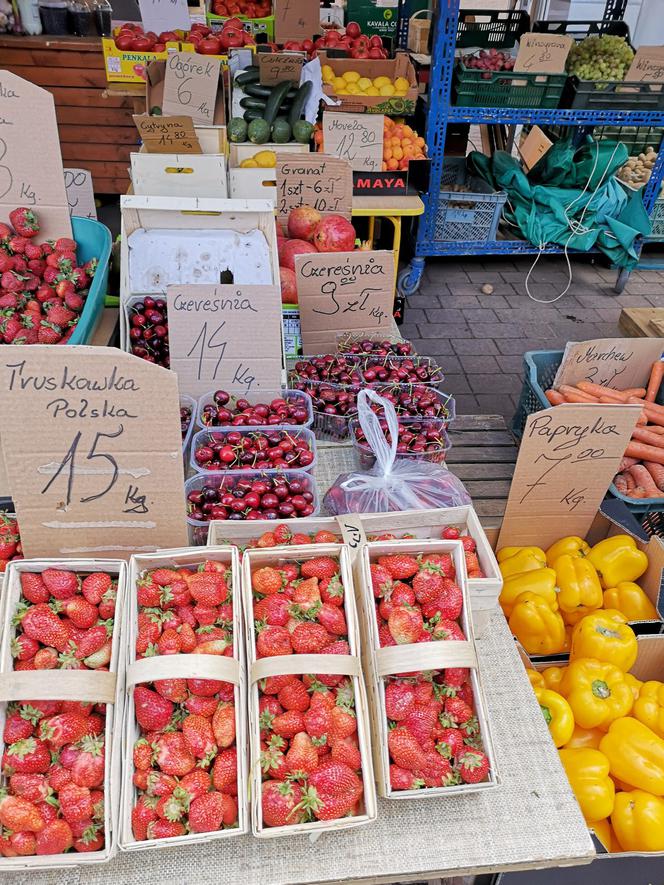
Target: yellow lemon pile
x: 260, y: 160
x: 353, y: 83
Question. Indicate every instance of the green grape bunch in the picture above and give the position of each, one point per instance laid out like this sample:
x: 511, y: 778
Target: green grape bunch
x: 600, y: 58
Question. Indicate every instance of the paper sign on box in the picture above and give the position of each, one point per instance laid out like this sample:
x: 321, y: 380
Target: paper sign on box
x: 80, y: 193
x: 317, y: 180
x: 277, y: 66
x: 226, y: 336
x: 647, y: 65
x: 533, y: 147
x: 567, y: 460
x: 612, y: 362
x: 295, y: 19
x: 357, y: 138
x: 100, y: 470
x: 164, y: 15
x: 343, y: 292
x: 30, y: 158
x: 168, y: 135
x: 543, y: 53
x: 191, y: 83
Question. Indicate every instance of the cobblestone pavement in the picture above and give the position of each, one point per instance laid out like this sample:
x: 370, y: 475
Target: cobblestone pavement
x: 479, y: 340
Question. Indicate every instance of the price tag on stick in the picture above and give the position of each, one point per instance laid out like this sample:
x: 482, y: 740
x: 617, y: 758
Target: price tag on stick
x: 191, y: 83
x: 612, y: 362
x: 226, y: 337
x: 317, y: 180
x: 94, y: 451
x: 567, y: 459
x: 343, y: 292
x: 30, y: 158
x: 357, y: 138
x: 164, y: 15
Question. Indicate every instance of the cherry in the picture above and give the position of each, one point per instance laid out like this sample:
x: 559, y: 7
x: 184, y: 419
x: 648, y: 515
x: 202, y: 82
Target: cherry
x: 152, y: 325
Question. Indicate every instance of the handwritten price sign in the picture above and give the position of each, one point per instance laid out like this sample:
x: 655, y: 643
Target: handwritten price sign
x: 164, y: 15
x: 612, y: 362
x: 213, y: 337
x: 191, y: 83
x: 317, y: 180
x: 87, y: 478
x: 357, y: 138
x: 567, y: 459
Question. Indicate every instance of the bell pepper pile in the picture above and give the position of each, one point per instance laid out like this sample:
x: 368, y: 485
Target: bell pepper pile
x: 571, y: 594
x: 609, y: 729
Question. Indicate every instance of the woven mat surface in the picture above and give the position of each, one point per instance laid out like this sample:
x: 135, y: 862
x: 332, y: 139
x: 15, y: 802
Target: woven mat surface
x: 530, y: 819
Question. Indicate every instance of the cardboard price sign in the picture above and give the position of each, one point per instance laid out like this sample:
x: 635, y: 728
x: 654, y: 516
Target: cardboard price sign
x: 543, y: 53
x: 295, y: 19
x: 225, y: 337
x: 533, y: 147
x: 343, y: 292
x: 167, y: 135
x: 317, y: 180
x: 612, y: 362
x: 100, y: 471
x: 191, y: 83
x: 357, y: 138
x: 647, y: 65
x: 164, y: 15
x: 567, y: 459
x: 277, y: 66
x: 30, y: 158
x: 80, y: 193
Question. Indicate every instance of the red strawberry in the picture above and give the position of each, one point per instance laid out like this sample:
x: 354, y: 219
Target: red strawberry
x: 280, y: 803
x: 346, y: 750
x: 33, y: 588
x: 458, y: 710
x: 196, y: 783
x: 16, y: 813
x: 173, y: 755
x: 206, y: 813
x: 309, y: 638
x: 437, y: 771
x: 302, y: 754
x: 61, y: 584
x: 41, y: 623
x: 224, y: 772
x: 75, y: 802
x: 95, y: 585
x: 405, y: 625
x: 208, y: 588
x: 16, y: 728
x: 405, y: 749
x: 450, y: 533
x: 33, y: 787
x: 320, y: 567
x: 333, y: 619
x: 23, y: 843
x: 81, y: 612
x: 402, y: 779
x: 199, y: 738
x: 160, y: 784
x: 306, y: 597
x: 142, y: 814
x: 400, y: 566
x: 332, y: 591
x: 272, y: 641
x: 65, y: 728
x: 153, y: 712
x: 266, y: 581
x: 24, y: 221
x: 399, y: 700
x: 288, y: 724
x: 46, y: 659
x: 23, y: 648
x: 381, y: 580
x: 223, y: 725
x: 172, y: 689
x: 208, y: 687
x: 87, y: 769
x: 332, y: 791
x: 450, y: 742
x: 272, y: 758
x: 164, y: 829
x: 427, y: 586
x: 142, y: 755
x: 92, y: 839
x: 342, y: 723
x: 420, y: 722
x: 294, y: 696
x: 99, y: 658
x: 473, y: 766
x: 28, y: 756
x: 273, y: 610
x: 201, y: 706
x: 55, y: 838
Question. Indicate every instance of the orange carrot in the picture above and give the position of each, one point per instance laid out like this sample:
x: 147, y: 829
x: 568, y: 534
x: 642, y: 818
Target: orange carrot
x: 655, y: 382
x: 642, y: 435
x: 655, y: 428
x: 598, y: 390
x: 657, y: 473
x: 638, y: 492
x: 631, y: 485
x: 655, y: 408
x: 639, y: 392
x: 554, y: 397
x: 644, y: 452
x: 572, y: 395
x: 626, y: 463
x: 620, y: 483
x: 644, y: 480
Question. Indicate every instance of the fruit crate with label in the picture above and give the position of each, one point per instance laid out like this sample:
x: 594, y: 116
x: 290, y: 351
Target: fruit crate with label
x: 470, y: 213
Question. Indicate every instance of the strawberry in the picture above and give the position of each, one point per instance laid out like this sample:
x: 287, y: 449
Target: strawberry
x: 333, y: 619
x: 267, y: 539
x: 65, y: 728
x: 46, y: 659
x: 266, y: 581
x: 325, y: 537
x: 468, y: 543
x: 164, y: 829
x: 224, y: 772
x: 420, y: 722
x: 172, y: 754
x: 427, y: 585
x: 23, y: 843
x: 17, y: 813
x: 87, y: 769
x: 405, y: 625
x: 81, y: 613
x: 450, y: 742
x: 272, y: 758
x: 346, y: 750
x: 55, y: 838
x: 400, y: 566
x: 280, y: 804
x: 23, y: 648
x: 27, y: 756
x: 457, y: 710
x: 399, y: 700
x: 201, y: 706
x: 301, y: 755
x: 91, y: 839
x: 33, y: 588
x: 306, y: 598
x: 208, y: 588
x: 61, y: 584
x: 450, y: 533
x: 402, y: 779
x: 294, y: 696
x: 206, y: 813
x: 142, y: 814
x: 24, y: 221
x: 153, y: 712
x: 100, y: 658
x: 273, y: 641
x: 16, y: 728
x: 332, y: 591
x: 320, y: 567
x: 273, y: 610
x: 142, y: 755
x: 196, y: 783
x: 404, y: 749
x: 309, y: 638
x: 160, y: 784
x: 199, y: 738
x: 288, y: 724
x: 41, y: 623
x: 332, y: 791
x: 75, y: 802
x: 473, y: 766
x: 33, y: 787
x: 437, y: 770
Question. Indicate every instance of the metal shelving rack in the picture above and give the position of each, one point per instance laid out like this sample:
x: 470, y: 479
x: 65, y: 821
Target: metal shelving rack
x: 440, y: 112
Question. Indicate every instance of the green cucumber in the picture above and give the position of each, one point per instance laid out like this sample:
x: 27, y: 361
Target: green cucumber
x: 249, y: 75
x: 253, y: 114
x: 252, y: 104
x: 275, y: 100
x: 299, y: 101
x: 258, y: 91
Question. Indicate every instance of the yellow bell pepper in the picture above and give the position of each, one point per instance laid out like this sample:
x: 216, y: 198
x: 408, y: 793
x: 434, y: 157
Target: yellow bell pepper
x: 535, y: 678
x: 628, y: 598
x: 542, y: 582
x: 557, y: 715
x: 588, y: 773
x: 618, y: 559
x: 649, y: 706
x: 604, y: 635
x: 553, y: 676
x: 584, y: 739
x: 514, y: 560
x: 634, y: 683
x: 638, y: 821
x: 571, y: 619
x: 539, y: 630
x: 571, y: 546
x: 602, y: 829
x: 635, y: 754
x: 596, y: 692
x: 579, y: 589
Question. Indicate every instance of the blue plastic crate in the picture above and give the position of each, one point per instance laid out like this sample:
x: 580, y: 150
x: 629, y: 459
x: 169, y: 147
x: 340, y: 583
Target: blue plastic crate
x: 93, y: 240
x: 471, y: 215
x: 540, y: 367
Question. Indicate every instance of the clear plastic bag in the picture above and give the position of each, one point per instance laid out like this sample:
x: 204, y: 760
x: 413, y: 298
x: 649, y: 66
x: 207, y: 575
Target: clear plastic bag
x: 391, y: 484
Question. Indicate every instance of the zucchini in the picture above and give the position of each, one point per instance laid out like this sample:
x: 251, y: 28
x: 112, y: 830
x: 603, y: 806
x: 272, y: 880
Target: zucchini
x: 252, y: 114
x: 249, y: 75
x: 299, y: 101
x: 258, y: 91
x: 252, y: 104
x: 275, y: 100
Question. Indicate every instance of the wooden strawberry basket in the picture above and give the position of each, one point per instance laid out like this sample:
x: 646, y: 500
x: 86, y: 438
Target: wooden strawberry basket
x: 297, y: 664
x: 98, y: 686
x: 182, y: 666
x: 380, y: 663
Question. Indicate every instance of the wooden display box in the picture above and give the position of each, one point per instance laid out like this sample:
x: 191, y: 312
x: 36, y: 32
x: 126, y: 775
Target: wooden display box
x: 394, y: 105
x: 184, y: 175
x: 256, y: 184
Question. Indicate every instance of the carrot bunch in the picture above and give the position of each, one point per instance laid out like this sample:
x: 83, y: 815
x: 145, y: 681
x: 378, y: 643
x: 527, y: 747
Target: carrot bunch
x: 641, y: 473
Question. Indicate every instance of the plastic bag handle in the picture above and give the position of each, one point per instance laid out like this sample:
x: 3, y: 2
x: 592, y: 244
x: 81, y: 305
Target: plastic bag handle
x: 385, y: 452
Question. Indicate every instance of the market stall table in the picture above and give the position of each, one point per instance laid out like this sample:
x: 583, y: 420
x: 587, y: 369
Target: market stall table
x: 392, y: 209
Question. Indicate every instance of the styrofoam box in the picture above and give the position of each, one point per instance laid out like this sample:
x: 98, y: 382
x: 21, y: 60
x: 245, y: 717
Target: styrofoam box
x: 113, y: 731
x: 260, y: 184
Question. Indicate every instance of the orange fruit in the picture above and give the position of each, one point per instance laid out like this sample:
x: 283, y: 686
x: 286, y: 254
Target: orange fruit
x: 384, y: 167
x: 406, y: 141
x: 397, y: 153
x: 387, y: 153
x: 395, y: 142
x: 398, y: 131
x: 392, y: 164
x: 419, y: 141
x: 408, y: 152
x: 408, y: 131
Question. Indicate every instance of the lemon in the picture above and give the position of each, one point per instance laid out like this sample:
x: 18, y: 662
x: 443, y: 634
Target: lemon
x: 249, y: 163
x: 351, y: 76
x: 353, y: 89
x: 341, y: 92
x: 266, y: 159
x: 364, y: 83
x: 387, y: 89
x: 372, y: 91
x: 338, y: 83
x: 401, y: 84
x: 328, y: 74
x: 381, y: 81
x: 401, y: 92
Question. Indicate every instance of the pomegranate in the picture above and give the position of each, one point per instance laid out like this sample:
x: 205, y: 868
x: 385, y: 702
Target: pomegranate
x: 281, y: 242
x: 334, y: 234
x: 293, y: 248
x: 302, y: 222
x: 288, y: 286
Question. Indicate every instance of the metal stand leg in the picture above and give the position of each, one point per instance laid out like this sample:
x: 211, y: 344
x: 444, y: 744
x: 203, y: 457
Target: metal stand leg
x: 410, y: 279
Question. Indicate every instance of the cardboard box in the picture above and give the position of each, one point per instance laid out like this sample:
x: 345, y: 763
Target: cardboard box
x: 400, y: 66
x: 184, y: 175
x: 379, y: 16
x: 154, y: 89
x: 125, y: 66
x: 257, y: 27
x: 256, y: 184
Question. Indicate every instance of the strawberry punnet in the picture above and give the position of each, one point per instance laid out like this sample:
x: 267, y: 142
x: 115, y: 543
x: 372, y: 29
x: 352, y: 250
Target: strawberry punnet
x: 185, y: 760
x: 54, y: 755
x: 433, y: 735
x: 310, y: 755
